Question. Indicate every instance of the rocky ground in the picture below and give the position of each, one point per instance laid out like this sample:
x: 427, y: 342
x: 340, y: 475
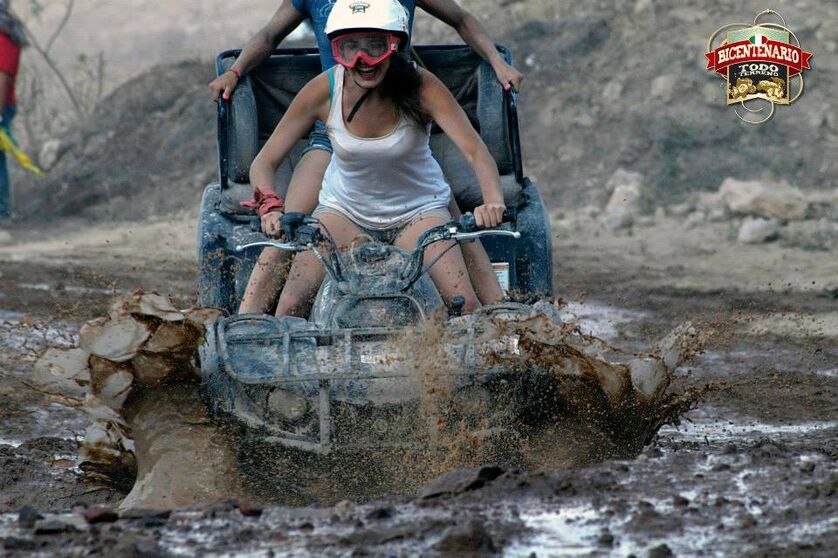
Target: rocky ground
x: 751, y: 471
x: 624, y: 82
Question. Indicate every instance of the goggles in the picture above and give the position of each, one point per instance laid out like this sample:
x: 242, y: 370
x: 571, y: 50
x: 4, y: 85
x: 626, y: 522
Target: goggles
x: 371, y: 47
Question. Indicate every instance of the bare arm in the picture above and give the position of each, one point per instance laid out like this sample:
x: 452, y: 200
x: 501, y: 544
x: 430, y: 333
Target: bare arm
x: 5, y: 83
x: 258, y: 48
x: 443, y: 108
x: 475, y: 35
x: 310, y: 104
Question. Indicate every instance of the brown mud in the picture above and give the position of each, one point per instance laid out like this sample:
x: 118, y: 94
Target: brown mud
x: 751, y: 471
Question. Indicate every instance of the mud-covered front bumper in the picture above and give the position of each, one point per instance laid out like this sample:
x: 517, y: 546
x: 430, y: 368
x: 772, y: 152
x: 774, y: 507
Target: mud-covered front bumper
x: 252, y: 363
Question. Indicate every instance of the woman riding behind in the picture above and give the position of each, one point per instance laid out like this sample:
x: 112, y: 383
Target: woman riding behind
x: 382, y: 181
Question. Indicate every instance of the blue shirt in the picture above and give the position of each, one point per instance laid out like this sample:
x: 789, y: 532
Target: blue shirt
x: 317, y: 11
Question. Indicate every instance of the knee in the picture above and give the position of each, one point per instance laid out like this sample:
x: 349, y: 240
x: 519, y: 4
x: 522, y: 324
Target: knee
x: 291, y: 304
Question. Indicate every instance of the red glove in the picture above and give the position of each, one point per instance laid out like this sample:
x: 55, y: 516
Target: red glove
x: 265, y: 202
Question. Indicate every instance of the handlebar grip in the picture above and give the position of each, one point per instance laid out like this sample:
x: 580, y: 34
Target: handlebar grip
x: 469, y: 224
x: 510, y: 216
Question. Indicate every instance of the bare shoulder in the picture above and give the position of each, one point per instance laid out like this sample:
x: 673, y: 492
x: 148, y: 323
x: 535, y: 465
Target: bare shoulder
x: 315, y: 94
x: 433, y: 90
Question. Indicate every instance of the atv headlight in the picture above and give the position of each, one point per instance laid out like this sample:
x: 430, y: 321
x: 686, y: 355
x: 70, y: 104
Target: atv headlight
x: 287, y: 405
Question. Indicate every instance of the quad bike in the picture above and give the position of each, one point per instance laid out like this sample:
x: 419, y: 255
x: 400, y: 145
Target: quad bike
x: 346, y: 379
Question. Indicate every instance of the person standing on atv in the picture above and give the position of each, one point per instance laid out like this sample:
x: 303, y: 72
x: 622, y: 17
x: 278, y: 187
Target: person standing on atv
x: 262, y: 288
x: 382, y: 180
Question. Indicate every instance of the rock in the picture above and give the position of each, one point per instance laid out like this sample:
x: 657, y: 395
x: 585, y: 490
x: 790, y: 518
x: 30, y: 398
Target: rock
x: 141, y: 513
x: 624, y: 177
x: 718, y: 215
x: 51, y: 150
x: 623, y: 207
x: 379, y: 514
x: 470, y: 537
x: 777, y: 200
x: 661, y: 551
x: 460, y: 480
x: 613, y: 91
x: 18, y: 543
x: 663, y: 87
x: 680, y: 501
x: 28, y: 516
x: 642, y: 5
x: 100, y: 514
x: 54, y: 527
x: 710, y: 201
x: 694, y: 219
x: 819, y: 235
x: 590, y: 211
x: 606, y: 538
x: 756, y: 230
x: 5, y: 237
x: 249, y: 509
x: 680, y: 209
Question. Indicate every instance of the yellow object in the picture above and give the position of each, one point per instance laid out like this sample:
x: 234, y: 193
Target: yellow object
x: 8, y: 145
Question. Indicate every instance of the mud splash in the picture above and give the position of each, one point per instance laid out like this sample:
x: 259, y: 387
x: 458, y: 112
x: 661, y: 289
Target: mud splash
x: 132, y: 372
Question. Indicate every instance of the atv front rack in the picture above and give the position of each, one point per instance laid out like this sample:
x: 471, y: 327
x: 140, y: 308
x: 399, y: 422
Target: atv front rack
x: 334, y: 365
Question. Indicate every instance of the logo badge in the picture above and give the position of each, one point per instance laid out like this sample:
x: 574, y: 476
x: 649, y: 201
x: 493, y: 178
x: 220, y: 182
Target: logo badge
x: 758, y: 61
x: 359, y: 7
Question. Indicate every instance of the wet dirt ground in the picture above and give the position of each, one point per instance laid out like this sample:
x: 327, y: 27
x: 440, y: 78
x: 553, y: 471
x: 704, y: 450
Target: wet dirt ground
x: 752, y: 471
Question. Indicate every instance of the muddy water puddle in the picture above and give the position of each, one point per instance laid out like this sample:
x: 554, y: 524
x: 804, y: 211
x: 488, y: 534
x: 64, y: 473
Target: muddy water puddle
x: 731, y: 479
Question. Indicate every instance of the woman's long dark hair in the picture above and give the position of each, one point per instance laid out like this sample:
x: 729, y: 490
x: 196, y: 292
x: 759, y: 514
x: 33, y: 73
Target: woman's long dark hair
x: 402, y: 84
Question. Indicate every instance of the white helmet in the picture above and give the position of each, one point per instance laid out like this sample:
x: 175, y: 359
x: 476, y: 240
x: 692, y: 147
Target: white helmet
x: 348, y: 15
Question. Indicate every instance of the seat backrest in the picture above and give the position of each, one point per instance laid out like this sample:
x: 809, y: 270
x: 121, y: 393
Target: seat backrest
x: 266, y: 92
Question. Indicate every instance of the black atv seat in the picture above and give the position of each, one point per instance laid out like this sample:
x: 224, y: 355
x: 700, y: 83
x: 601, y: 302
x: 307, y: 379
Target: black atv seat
x: 265, y: 93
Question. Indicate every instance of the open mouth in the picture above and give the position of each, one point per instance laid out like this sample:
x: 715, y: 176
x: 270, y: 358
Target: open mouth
x: 367, y: 72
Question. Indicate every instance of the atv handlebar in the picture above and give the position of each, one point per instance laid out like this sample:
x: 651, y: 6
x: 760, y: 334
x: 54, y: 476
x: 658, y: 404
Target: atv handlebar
x: 468, y: 223
x: 302, y: 235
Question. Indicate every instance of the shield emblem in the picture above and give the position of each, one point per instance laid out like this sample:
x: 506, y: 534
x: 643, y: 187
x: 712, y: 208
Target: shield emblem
x: 758, y: 79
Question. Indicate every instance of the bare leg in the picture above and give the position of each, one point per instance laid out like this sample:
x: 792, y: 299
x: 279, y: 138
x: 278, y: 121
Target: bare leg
x: 449, y: 273
x: 307, y: 272
x: 265, y: 280
x: 271, y: 269
x: 479, y: 266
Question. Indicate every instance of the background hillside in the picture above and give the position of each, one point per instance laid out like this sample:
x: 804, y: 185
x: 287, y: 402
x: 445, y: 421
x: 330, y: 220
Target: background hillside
x: 610, y: 84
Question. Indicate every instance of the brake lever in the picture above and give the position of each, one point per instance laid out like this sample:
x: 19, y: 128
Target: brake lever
x: 490, y: 232
x: 266, y: 243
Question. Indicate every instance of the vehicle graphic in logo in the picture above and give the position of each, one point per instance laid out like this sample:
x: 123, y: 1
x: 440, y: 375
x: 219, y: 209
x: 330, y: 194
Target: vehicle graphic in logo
x: 758, y: 62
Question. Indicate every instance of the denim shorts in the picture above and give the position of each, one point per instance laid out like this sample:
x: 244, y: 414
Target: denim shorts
x: 318, y: 139
x: 390, y: 235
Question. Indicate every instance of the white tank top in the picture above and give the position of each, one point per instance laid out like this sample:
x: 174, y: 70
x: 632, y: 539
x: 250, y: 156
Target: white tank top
x: 380, y: 183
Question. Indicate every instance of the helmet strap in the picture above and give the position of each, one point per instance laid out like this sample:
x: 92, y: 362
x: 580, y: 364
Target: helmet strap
x: 358, y: 104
